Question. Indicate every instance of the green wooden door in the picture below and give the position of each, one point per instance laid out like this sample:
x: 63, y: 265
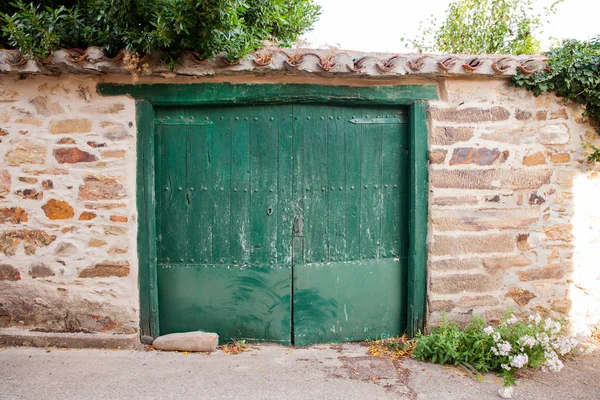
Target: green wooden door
x: 282, y: 223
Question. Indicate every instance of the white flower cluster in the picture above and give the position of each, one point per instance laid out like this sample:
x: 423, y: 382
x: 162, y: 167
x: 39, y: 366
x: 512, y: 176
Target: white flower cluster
x: 547, y: 337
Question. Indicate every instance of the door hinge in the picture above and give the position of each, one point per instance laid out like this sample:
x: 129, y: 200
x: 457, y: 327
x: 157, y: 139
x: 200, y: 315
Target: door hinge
x: 376, y: 121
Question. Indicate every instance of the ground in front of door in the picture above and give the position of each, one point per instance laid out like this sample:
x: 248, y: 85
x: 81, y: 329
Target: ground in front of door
x: 266, y: 372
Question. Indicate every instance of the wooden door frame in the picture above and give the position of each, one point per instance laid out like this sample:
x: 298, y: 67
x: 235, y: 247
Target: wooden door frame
x: 148, y: 96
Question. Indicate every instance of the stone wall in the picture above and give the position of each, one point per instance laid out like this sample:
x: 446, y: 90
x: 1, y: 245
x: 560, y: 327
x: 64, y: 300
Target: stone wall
x: 513, y: 214
x: 67, y: 207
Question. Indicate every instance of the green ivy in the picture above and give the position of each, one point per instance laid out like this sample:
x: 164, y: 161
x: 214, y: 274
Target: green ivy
x: 574, y: 74
x: 172, y: 27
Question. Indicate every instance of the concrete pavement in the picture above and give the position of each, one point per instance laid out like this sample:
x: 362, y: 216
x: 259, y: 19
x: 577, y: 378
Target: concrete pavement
x: 266, y: 372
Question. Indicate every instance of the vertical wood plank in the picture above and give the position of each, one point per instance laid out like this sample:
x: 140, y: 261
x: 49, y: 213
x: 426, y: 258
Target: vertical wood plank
x: 201, y: 209
x: 241, y: 241
x: 417, y: 273
x: 370, y: 213
x: 146, y: 210
x: 171, y: 188
x: 336, y: 168
x: 316, y: 243
x: 221, y: 173
x: 285, y: 209
x: 353, y: 151
x: 298, y: 190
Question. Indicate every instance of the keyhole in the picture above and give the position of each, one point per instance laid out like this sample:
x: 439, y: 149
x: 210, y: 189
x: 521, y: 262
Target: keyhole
x: 269, y: 211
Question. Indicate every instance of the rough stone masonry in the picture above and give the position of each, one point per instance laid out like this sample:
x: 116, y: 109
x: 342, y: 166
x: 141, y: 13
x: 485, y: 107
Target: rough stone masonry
x: 513, y: 214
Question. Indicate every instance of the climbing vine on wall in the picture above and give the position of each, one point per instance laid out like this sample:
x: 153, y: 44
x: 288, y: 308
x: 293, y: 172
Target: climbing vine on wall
x: 172, y: 27
x: 573, y: 73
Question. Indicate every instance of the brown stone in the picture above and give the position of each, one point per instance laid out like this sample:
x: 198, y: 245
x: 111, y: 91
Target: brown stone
x: 562, y: 306
x: 72, y: 155
x: 118, y: 218
x: 559, y: 232
x: 457, y: 283
x: 58, y: 209
x: 29, y: 121
x: 96, y: 144
x: 47, y: 184
x: 115, y: 131
x: 478, y: 301
x: 26, y: 152
x: 535, y: 199
x: 523, y: 115
x: 498, y: 264
x: 478, y: 156
x: 12, y: 215
x: 534, y: 159
x: 520, y: 296
x: 122, y: 153
x: 114, y: 251
x: 65, y: 249
x: 479, y: 220
x: 554, y: 134
x: 541, y: 115
x: 47, y: 171
x: 469, y: 114
x: 441, y: 305
x: 115, y: 231
x: 45, y: 106
x: 97, y: 187
x: 27, y: 179
x: 104, y: 109
x: 87, y: 215
x: 3, y: 132
x: 67, y: 126
x: 30, y: 194
x: 109, y: 206
x: 465, y: 244
x: 4, y: 183
x: 9, y: 273
x: 548, y: 272
x: 454, y: 201
x: 523, y: 241
x: 96, y: 243
x: 40, y: 271
x: 560, y: 158
x: 66, y: 140
x: 490, y: 178
x: 447, y: 135
x: 561, y: 113
x: 4, y: 118
x: 106, y: 269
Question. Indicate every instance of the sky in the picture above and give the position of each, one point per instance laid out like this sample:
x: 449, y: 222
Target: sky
x: 378, y: 25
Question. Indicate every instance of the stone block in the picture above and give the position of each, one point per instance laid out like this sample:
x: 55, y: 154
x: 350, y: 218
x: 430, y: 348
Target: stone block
x: 447, y: 135
x: 40, y: 270
x: 73, y: 155
x: 58, y: 209
x: 480, y: 220
x: 520, y: 296
x: 12, y: 215
x: 9, y: 273
x: 437, y: 156
x: 560, y: 158
x: 467, y: 244
x: 458, y: 283
x: 478, y: 301
x: 454, y: 200
x: 469, y: 114
x: 68, y: 126
x: 26, y: 152
x: 44, y: 106
x: 106, y: 269
x: 96, y: 187
x: 5, y: 182
x: 490, y: 178
x: 548, y: 272
x: 188, y: 341
x: 477, y: 156
x: 441, y: 305
x: 534, y: 159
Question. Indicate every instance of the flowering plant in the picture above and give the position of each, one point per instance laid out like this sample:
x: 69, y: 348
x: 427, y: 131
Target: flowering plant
x: 512, y: 345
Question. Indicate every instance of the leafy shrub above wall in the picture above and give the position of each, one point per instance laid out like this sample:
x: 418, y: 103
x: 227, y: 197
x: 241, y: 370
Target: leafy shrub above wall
x: 573, y: 73
x: 171, y: 27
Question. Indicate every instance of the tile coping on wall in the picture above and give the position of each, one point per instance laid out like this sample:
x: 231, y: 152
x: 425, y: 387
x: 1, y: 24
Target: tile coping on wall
x: 324, y: 62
